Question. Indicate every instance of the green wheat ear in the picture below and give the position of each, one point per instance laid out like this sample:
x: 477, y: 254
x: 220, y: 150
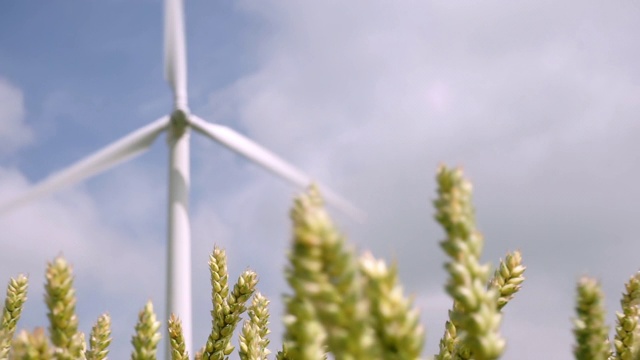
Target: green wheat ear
x: 627, y: 334
x: 100, y: 339
x: 508, y: 278
x: 305, y: 336
x: 13, y: 304
x: 327, y: 285
x: 237, y: 299
x: 590, y: 330
x: 228, y: 306
x: 448, y: 344
x: 475, y: 312
x: 395, y: 322
x: 200, y: 354
x: 325, y: 271
x: 60, y: 298
x: 176, y: 337
x: 146, y: 338
x: 282, y: 355
x: 218, y: 346
x: 254, y: 341
x: 32, y: 346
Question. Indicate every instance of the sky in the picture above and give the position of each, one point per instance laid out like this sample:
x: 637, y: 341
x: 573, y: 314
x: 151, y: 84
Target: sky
x: 537, y: 101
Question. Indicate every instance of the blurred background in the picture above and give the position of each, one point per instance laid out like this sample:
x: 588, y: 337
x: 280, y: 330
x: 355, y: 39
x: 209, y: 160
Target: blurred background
x: 537, y: 101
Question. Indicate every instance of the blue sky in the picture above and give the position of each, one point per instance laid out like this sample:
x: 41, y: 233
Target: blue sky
x: 537, y: 101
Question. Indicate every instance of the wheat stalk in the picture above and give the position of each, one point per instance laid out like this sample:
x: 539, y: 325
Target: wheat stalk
x: 305, y: 336
x: 254, y: 341
x: 475, y: 313
x: 627, y: 333
x: 396, y: 323
x: 60, y: 298
x: 13, y: 304
x: 100, y: 339
x: 448, y: 343
x: 176, y: 338
x: 508, y: 278
x: 31, y: 346
x: 590, y: 330
x: 147, y: 335
x: 227, y: 306
x: 324, y: 271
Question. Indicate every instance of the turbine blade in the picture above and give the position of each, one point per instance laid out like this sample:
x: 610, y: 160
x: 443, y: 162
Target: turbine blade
x: 113, y: 154
x: 175, y: 56
x: 268, y: 160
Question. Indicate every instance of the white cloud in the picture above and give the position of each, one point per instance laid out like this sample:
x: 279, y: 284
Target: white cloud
x: 14, y: 132
x: 537, y: 101
x: 109, y: 264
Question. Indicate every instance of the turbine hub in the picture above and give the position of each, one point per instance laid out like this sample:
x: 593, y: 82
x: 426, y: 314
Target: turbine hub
x: 179, y: 122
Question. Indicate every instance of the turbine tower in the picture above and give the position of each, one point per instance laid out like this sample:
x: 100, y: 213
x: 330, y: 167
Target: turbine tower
x: 178, y: 126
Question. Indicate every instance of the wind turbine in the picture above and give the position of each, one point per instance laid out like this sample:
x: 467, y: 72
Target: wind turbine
x: 177, y: 125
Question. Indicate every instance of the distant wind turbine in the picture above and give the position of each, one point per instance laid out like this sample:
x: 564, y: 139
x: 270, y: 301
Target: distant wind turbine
x: 177, y: 126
